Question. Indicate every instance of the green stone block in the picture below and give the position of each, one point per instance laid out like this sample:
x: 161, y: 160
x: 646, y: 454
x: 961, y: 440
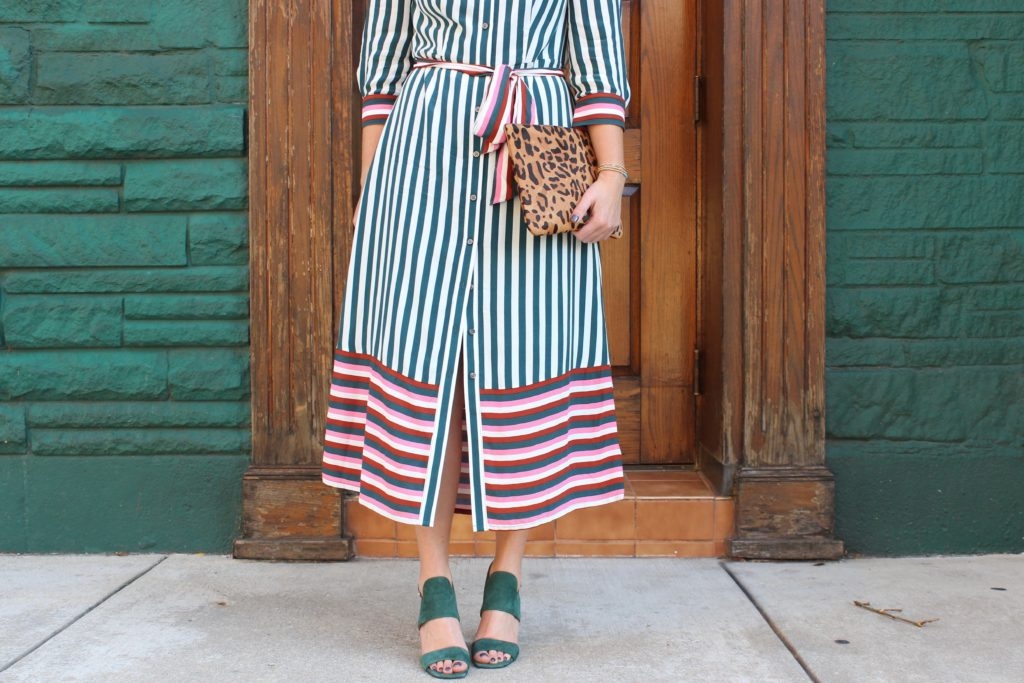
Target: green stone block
x: 12, y: 430
x: 875, y: 162
x: 926, y: 404
x: 895, y: 80
x: 218, y: 239
x: 112, y: 11
x: 186, y: 307
x: 101, y: 375
x: 64, y: 321
x: 994, y: 324
x: 116, y: 78
x: 186, y: 185
x: 918, y: 498
x: 135, y: 415
x: 880, y: 272
x: 940, y: 202
x: 57, y: 241
x: 95, y: 38
x: 64, y: 200
x: 209, y: 375
x: 109, y: 441
x: 886, y: 312
x: 134, y: 504
x: 903, y: 134
x: 194, y: 279
x: 15, y: 64
x: 921, y: 353
x: 1004, y: 144
x: 231, y: 62
x: 935, y: 26
x: 12, y: 505
x: 965, y: 352
x: 113, y: 132
x: 924, y: 7
x: 903, y: 244
x: 999, y: 64
x: 989, y: 256
x: 231, y: 89
x: 59, y: 173
x: 224, y: 23
x: 1006, y: 106
x: 186, y: 332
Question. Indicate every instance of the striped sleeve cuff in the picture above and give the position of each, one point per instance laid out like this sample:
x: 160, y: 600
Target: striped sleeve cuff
x: 376, y: 108
x: 601, y: 107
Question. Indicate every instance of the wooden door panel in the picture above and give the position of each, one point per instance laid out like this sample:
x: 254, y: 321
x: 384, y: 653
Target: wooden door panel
x: 650, y: 276
x: 619, y: 262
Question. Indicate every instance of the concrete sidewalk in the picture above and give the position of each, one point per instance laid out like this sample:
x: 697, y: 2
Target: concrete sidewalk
x: 212, y: 618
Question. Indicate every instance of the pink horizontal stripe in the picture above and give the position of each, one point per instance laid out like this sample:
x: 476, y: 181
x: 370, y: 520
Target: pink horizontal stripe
x: 332, y: 436
x: 501, y: 406
x: 423, y: 427
x: 391, y: 389
x: 574, y: 482
x: 347, y: 462
x: 349, y: 416
x: 390, y: 513
x: 603, y: 109
x: 549, y: 515
x: 374, y: 376
x: 393, y: 491
x: 540, y: 424
x: 388, y: 465
x: 353, y: 393
x: 398, y: 443
x: 540, y: 450
x: 338, y: 482
x: 568, y: 463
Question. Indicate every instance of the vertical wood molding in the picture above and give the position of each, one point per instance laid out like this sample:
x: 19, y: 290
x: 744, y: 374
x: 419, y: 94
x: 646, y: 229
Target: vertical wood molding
x: 773, y: 217
x: 300, y: 132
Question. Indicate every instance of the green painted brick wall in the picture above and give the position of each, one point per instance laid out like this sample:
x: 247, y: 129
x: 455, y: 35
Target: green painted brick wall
x: 925, y: 314
x: 124, y: 375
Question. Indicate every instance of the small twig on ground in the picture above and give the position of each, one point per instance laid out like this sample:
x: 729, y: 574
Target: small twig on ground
x: 888, y: 612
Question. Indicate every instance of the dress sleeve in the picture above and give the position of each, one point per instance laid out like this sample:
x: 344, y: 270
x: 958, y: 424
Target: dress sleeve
x: 385, y: 57
x: 598, y: 75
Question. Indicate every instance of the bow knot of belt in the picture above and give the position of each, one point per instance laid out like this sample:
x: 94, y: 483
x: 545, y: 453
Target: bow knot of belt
x: 506, y: 100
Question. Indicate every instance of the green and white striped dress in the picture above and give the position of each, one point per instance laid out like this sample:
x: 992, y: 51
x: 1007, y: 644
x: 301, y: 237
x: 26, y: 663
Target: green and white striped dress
x: 444, y: 271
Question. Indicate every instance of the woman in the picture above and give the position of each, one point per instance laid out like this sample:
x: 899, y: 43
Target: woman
x: 472, y: 372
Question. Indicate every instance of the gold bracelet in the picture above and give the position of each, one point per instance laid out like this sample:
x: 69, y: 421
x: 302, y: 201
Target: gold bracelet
x: 618, y: 168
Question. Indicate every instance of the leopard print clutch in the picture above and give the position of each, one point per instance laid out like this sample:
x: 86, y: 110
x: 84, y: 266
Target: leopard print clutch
x: 553, y: 167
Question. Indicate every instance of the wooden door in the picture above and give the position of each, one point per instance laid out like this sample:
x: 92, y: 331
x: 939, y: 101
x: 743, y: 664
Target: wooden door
x: 651, y: 274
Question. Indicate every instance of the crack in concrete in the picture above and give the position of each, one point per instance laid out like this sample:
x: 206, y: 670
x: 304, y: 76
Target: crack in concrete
x: 771, y: 624
x: 74, y: 619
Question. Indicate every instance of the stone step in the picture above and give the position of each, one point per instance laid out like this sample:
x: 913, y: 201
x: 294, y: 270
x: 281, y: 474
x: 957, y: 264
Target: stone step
x: 666, y: 513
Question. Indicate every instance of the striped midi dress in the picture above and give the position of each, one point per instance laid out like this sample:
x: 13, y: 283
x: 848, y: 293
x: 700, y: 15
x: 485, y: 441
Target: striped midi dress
x: 444, y: 274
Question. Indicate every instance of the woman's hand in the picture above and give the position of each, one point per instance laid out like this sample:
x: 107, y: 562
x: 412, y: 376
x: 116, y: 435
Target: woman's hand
x: 603, y: 202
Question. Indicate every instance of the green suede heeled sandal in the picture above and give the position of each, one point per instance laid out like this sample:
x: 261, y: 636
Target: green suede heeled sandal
x: 501, y: 593
x: 436, y: 602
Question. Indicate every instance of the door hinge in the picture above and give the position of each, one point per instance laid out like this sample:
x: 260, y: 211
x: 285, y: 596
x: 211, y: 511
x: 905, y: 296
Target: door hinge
x: 698, y: 99
x: 698, y: 362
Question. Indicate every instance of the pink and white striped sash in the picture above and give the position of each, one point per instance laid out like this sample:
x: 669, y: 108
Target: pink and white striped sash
x: 506, y: 100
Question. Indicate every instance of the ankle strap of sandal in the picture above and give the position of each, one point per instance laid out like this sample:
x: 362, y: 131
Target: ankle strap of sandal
x: 501, y: 593
x: 438, y: 600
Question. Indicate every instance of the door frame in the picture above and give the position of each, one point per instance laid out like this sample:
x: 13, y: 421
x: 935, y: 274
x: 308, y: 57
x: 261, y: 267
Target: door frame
x: 761, y: 216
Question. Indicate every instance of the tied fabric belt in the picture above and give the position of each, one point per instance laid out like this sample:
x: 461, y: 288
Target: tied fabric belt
x: 506, y: 100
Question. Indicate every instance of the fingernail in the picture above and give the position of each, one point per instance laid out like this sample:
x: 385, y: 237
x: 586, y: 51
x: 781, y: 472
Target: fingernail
x: 575, y: 218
